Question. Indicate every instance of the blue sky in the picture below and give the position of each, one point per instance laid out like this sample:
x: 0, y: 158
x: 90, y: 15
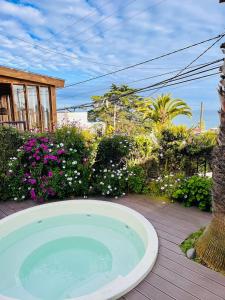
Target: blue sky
x: 99, y: 36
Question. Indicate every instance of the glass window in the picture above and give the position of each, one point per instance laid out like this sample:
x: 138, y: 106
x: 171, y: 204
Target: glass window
x: 19, y: 103
x: 45, y: 107
x: 33, y: 112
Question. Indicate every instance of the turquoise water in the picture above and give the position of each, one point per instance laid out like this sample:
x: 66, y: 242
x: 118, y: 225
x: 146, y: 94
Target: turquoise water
x: 67, y: 256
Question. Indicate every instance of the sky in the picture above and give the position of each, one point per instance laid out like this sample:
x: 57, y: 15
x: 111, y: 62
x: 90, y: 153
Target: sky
x: 79, y: 39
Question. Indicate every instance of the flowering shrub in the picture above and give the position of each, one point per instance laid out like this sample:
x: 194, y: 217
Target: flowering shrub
x: 165, y: 185
x: 195, y: 191
x: 116, y: 150
x: 43, y: 169
x: 112, y: 181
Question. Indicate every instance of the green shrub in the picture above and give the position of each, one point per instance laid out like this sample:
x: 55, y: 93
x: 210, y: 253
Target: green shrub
x: 10, y: 140
x: 164, y: 186
x: 136, y: 182
x: 113, y: 150
x: 195, y: 191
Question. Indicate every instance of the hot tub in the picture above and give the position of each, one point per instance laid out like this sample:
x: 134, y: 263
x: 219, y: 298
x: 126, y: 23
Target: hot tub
x: 74, y: 249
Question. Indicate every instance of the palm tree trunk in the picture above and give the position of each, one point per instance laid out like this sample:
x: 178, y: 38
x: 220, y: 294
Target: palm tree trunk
x: 210, y: 247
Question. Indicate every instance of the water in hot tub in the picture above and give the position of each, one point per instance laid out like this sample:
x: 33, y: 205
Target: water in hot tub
x: 66, y: 256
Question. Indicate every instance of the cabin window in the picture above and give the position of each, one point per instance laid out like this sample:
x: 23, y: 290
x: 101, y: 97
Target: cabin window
x: 45, y: 108
x: 19, y: 103
x: 33, y: 111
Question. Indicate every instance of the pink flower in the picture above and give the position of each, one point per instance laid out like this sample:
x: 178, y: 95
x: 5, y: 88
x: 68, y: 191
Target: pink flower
x: 50, y: 174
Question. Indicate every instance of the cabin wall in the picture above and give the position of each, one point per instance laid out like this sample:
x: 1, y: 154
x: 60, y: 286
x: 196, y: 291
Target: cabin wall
x: 30, y: 102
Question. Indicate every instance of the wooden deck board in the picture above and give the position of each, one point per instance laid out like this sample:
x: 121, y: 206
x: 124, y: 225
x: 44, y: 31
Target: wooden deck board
x: 173, y: 276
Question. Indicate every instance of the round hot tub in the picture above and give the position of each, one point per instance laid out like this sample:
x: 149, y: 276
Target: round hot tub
x: 75, y: 249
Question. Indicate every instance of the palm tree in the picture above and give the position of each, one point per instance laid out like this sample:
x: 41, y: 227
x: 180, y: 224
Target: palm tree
x: 165, y: 109
x: 210, y: 247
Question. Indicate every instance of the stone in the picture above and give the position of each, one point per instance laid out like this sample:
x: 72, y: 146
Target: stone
x: 191, y: 253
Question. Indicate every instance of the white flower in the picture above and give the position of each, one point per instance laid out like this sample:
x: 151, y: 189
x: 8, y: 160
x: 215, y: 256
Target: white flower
x: 123, y: 194
x: 63, y: 161
x: 109, y: 186
x: 70, y: 183
x: 102, y: 183
x: 63, y: 167
x: 75, y: 150
x: 68, y: 131
x: 162, y: 188
x: 107, y: 192
x: 61, y: 144
x: 74, y: 162
x: 80, y: 181
x: 185, y: 196
x: 23, y: 197
x: 116, y: 197
x: 93, y: 170
x: 66, y: 175
x: 112, y: 175
x: 10, y: 171
x: 69, y: 178
x: 71, y: 149
x: 15, y: 198
x: 105, y: 170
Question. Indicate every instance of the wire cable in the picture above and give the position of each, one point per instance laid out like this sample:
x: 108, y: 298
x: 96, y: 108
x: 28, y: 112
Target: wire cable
x: 218, y: 37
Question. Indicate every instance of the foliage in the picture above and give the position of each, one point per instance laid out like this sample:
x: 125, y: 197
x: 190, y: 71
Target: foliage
x: 137, y: 182
x: 165, y: 109
x: 43, y: 169
x: 113, y: 150
x: 191, y: 240
x: 10, y: 140
x: 169, y: 153
x: 120, y: 114
x: 164, y: 186
x: 142, y: 149
x: 195, y: 191
x: 111, y: 181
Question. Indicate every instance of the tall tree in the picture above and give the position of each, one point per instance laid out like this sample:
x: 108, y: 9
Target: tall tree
x: 210, y: 247
x: 121, y: 114
x: 165, y: 109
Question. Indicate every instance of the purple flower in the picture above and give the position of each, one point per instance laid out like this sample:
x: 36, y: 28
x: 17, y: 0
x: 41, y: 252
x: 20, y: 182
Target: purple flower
x: 33, y: 194
x: 32, y: 181
x: 50, y: 174
x: 60, y: 151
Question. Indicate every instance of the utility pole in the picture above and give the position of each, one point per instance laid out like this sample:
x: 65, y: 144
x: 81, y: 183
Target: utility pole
x: 113, y: 100
x: 201, y: 121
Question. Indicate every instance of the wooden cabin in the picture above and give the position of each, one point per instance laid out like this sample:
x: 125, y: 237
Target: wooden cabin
x: 28, y: 100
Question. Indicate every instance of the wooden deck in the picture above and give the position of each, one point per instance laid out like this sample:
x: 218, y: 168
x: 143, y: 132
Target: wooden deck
x: 173, y: 276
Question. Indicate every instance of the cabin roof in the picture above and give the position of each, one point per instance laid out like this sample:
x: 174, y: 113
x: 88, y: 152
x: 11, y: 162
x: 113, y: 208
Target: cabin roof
x: 17, y: 74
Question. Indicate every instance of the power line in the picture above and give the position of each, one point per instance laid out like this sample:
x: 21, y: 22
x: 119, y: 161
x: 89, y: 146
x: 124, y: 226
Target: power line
x: 193, y: 79
x: 203, y: 65
x: 193, y: 61
x: 146, y: 61
x: 144, y: 89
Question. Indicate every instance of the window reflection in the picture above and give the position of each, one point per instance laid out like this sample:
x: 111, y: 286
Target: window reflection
x: 19, y: 103
x: 45, y: 107
x: 33, y: 112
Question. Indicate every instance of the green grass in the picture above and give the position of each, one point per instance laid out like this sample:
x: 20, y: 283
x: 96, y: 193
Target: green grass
x: 191, y: 240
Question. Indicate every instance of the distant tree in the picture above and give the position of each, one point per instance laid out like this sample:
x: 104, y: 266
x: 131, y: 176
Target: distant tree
x: 121, y: 114
x: 164, y: 109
